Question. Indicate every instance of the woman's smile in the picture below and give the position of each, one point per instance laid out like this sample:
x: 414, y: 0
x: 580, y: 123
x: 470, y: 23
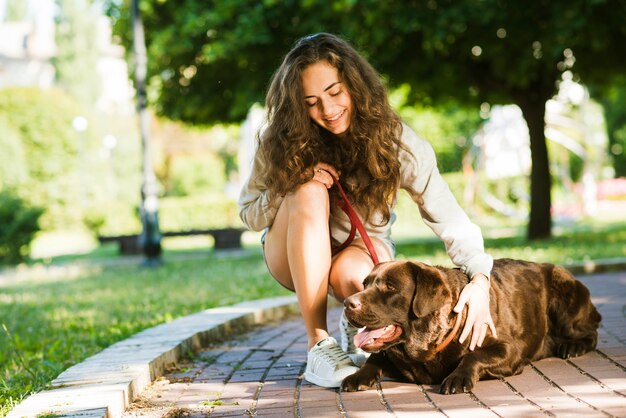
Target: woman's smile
x: 327, y: 98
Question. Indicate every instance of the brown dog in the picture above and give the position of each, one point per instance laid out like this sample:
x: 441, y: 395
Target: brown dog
x: 539, y: 310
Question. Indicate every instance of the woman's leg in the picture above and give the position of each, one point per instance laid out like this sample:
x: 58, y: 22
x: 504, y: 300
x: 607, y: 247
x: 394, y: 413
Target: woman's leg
x: 352, y: 265
x: 298, y: 255
x: 349, y: 269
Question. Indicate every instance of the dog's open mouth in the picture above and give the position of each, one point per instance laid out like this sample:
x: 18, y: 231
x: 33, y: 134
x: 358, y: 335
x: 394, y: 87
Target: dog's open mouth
x: 371, y: 339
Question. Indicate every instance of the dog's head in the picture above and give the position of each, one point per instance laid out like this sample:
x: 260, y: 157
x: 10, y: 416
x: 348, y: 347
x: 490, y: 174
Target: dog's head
x: 403, y: 303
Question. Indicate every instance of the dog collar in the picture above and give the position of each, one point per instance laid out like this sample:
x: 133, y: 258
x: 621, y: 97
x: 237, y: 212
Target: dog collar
x: 452, y: 334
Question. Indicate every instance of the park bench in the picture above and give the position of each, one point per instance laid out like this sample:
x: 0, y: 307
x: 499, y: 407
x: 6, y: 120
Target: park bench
x: 225, y: 238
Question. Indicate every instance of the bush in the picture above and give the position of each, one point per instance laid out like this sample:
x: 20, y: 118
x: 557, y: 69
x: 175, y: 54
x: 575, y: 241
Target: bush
x: 40, y: 151
x: 19, y: 222
x: 13, y: 170
x: 206, y: 212
x: 448, y: 128
x: 196, y: 175
x: 211, y: 210
x: 112, y: 218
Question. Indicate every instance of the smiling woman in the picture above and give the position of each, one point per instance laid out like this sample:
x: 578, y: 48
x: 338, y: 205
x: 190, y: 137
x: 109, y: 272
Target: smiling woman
x: 329, y: 121
x: 330, y: 105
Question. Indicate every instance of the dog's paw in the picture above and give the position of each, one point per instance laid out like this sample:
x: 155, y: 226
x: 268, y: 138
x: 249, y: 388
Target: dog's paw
x: 572, y: 349
x: 456, y: 383
x: 358, y: 381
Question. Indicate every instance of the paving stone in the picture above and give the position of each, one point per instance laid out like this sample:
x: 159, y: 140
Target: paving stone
x: 259, y: 374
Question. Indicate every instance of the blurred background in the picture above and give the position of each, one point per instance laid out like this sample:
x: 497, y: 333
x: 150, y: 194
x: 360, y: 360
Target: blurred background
x: 525, y: 105
x: 125, y: 138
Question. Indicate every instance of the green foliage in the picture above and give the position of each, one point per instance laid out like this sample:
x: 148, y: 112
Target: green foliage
x: 614, y: 102
x: 112, y: 218
x: 44, y: 145
x: 16, y: 10
x: 197, y: 174
x: 198, y: 212
x: 76, y: 58
x: 448, y: 128
x: 460, y: 50
x: 176, y: 213
x: 19, y: 222
x: 497, y: 51
x: 13, y: 166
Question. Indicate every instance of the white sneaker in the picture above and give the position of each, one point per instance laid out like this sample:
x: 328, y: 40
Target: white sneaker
x: 357, y: 355
x: 327, y: 364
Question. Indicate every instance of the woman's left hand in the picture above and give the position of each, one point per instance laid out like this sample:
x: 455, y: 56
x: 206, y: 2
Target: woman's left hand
x: 476, y: 295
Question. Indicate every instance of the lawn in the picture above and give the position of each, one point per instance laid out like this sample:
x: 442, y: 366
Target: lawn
x: 54, y: 317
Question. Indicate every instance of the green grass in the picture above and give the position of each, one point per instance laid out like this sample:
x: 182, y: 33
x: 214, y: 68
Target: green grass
x: 608, y: 241
x: 52, y: 318
x: 50, y: 323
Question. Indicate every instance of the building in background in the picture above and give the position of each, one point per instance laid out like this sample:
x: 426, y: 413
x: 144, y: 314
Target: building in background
x: 28, y: 47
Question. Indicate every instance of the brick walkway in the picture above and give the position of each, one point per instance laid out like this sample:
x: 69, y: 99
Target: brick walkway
x: 259, y: 374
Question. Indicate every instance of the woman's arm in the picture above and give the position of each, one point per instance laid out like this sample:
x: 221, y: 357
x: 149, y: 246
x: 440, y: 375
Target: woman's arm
x: 257, y: 210
x: 462, y: 238
x: 439, y: 208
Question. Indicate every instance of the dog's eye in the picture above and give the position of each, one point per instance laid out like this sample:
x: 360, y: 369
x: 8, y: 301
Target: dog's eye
x: 390, y: 287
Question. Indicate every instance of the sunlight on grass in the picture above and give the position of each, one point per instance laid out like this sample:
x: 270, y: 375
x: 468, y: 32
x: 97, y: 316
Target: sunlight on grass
x: 52, y: 323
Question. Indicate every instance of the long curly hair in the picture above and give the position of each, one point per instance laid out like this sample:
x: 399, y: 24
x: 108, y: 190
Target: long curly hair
x: 291, y: 143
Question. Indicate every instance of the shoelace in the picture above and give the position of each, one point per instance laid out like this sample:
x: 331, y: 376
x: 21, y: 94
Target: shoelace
x: 350, y: 332
x: 334, y: 355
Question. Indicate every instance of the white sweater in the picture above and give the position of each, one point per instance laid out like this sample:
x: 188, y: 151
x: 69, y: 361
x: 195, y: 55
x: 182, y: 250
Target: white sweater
x: 421, y: 179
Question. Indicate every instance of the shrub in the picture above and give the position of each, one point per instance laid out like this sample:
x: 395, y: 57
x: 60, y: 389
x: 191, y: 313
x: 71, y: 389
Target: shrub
x: 13, y: 168
x: 211, y: 210
x: 19, y: 222
x: 205, y: 212
x: 40, y: 151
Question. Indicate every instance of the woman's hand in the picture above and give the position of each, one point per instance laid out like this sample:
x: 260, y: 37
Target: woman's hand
x: 476, y: 295
x: 324, y: 173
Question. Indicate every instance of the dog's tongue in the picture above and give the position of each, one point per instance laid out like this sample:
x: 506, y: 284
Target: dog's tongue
x: 367, y: 334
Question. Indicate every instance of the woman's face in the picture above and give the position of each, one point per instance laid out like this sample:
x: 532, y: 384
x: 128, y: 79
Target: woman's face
x: 328, y: 101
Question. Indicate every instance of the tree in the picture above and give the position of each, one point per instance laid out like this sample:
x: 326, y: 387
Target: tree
x: 211, y: 60
x: 614, y: 102
x: 15, y: 10
x: 77, y: 50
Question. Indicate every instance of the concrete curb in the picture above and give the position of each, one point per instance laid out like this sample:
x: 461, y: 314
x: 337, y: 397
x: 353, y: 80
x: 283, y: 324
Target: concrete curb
x: 105, y: 384
x: 597, y: 266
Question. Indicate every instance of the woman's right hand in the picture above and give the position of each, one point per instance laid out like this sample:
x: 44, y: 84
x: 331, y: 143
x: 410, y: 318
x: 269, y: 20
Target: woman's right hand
x: 325, y: 174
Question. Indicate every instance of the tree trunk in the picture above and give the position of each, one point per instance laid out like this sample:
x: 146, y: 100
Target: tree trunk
x: 540, y: 223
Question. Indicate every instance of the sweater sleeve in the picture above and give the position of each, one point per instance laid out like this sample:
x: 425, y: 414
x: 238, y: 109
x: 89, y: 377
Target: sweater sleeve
x: 256, y: 209
x: 439, y: 209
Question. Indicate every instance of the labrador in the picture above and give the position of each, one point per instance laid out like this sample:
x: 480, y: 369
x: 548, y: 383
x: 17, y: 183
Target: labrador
x: 539, y: 310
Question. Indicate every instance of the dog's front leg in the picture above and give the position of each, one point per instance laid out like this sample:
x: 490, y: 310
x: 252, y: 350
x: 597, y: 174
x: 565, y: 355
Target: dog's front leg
x: 376, y: 366
x: 499, y: 359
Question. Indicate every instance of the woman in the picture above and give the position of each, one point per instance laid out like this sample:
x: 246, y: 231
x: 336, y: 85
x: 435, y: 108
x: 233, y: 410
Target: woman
x: 329, y: 118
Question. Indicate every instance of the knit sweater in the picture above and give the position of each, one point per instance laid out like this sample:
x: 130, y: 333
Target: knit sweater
x: 421, y: 179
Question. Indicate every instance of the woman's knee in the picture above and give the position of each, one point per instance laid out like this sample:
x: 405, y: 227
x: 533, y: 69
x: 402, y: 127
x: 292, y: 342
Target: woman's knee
x: 309, y: 198
x: 347, y: 274
x: 352, y: 265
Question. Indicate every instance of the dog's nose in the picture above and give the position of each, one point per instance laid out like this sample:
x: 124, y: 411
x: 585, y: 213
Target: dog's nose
x: 352, y: 303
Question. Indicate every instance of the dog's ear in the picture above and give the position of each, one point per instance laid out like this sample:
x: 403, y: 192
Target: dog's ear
x: 431, y: 291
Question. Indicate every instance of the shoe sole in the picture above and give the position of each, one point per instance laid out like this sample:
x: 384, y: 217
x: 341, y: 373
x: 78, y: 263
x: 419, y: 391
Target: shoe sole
x: 326, y: 383
x: 316, y: 380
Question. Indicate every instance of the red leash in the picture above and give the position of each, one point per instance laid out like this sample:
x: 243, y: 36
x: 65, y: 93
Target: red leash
x: 356, y: 224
